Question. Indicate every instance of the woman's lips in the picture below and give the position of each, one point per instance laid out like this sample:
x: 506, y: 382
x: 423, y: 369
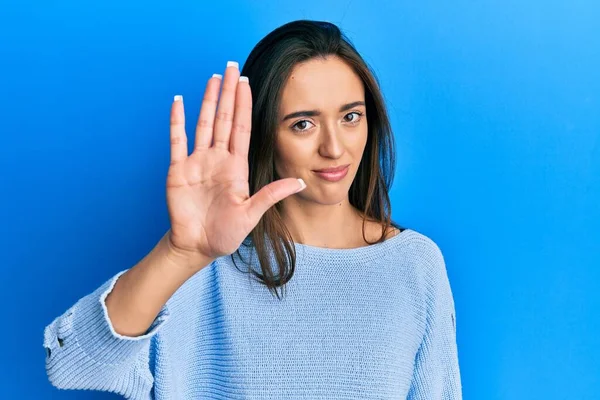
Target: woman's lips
x: 333, y: 176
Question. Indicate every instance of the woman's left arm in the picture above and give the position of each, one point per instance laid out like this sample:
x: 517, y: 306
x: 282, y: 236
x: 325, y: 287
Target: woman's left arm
x: 436, y: 373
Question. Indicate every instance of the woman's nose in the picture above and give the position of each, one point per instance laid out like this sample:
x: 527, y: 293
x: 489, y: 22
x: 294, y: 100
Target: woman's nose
x: 331, y: 144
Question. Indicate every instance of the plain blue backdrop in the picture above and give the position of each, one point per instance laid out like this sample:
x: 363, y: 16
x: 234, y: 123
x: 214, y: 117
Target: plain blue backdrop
x: 495, y: 107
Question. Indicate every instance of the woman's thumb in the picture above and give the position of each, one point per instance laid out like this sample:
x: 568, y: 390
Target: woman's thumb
x: 272, y: 193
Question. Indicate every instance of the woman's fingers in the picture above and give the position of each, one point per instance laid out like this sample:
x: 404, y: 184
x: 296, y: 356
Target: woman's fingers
x: 270, y: 195
x: 225, y: 110
x: 242, y: 119
x: 206, y: 120
x: 179, y: 151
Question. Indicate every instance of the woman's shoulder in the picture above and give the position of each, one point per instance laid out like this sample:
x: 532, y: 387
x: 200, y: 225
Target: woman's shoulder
x: 420, y: 247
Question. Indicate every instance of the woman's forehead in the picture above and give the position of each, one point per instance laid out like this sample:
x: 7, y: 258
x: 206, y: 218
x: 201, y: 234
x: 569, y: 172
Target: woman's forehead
x: 320, y: 83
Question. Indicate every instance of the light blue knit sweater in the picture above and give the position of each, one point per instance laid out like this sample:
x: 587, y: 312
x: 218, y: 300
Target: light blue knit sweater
x: 375, y: 322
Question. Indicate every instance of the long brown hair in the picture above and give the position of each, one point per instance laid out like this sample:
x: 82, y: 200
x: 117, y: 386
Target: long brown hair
x: 268, y: 67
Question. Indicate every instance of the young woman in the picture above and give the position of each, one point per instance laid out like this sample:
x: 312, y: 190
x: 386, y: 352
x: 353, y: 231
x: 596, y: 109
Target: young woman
x: 287, y: 188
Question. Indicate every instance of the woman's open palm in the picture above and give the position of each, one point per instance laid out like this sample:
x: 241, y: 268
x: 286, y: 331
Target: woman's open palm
x: 208, y: 199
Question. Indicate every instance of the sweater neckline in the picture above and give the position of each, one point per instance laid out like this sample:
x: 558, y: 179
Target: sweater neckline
x: 363, y: 252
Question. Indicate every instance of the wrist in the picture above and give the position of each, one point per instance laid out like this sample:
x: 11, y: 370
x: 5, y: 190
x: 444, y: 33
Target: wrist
x: 179, y: 258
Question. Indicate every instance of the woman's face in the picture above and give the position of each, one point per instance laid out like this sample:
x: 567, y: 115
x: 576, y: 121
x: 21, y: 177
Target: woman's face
x: 322, y: 123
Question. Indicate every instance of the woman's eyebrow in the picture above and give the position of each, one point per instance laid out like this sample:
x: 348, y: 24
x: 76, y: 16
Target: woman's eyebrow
x: 312, y: 113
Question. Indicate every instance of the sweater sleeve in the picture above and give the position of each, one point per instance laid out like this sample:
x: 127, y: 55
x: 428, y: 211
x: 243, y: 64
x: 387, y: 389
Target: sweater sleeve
x: 436, y: 373
x: 83, y: 350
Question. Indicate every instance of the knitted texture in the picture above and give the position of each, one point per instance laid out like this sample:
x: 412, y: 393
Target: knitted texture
x: 374, y: 322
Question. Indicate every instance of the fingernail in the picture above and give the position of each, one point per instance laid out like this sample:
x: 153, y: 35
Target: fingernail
x: 178, y: 97
x: 243, y: 79
x: 233, y: 64
x: 217, y: 76
x: 303, y: 185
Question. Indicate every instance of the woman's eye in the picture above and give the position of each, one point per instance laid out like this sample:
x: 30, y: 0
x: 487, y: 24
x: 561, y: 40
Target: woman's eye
x: 301, y: 125
x: 353, y: 120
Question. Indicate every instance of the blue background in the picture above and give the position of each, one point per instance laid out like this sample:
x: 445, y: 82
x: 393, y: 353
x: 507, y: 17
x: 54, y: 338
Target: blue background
x: 495, y: 107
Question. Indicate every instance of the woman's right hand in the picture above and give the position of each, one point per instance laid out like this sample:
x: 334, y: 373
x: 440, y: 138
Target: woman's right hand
x: 208, y: 200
